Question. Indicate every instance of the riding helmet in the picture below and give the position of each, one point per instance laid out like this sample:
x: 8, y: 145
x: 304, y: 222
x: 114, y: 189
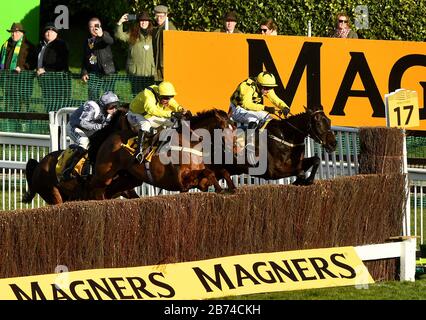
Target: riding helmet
x: 108, y: 98
x: 266, y: 79
x: 166, y: 88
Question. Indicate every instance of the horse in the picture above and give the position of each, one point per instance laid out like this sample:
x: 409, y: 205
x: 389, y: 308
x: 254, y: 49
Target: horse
x: 42, y: 177
x: 113, y: 157
x: 285, y: 154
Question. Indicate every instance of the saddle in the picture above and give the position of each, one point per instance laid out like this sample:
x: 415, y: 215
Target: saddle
x: 242, y: 132
x: 150, y: 146
x: 65, y: 157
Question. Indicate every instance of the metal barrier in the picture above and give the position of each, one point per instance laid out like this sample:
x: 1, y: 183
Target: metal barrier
x: 15, y: 150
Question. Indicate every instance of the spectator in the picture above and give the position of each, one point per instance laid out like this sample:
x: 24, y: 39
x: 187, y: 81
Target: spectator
x: 17, y: 54
x: 163, y: 23
x: 140, y: 58
x: 85, y: 121
x: 98, y: 64
x: 52, y: 69
x: 229, y: 23
x: 343, y: 27
x: 268, y: 27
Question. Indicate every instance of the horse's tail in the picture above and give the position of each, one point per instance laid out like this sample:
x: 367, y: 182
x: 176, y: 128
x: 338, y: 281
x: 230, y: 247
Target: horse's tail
x: 29, y: 170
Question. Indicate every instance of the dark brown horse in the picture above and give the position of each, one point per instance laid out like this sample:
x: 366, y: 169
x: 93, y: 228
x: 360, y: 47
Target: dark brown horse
x: 283, y: 152
x: 113, y: 159
x: 42, y: 177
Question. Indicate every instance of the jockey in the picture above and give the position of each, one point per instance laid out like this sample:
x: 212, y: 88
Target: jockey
x: 247, y: 100
x: 85, y: 121
x: 152, y: 108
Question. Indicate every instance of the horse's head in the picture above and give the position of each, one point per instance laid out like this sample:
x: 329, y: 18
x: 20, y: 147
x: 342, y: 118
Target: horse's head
x: 216, y: 119
x: 210, y: 120
x: 319, y: 128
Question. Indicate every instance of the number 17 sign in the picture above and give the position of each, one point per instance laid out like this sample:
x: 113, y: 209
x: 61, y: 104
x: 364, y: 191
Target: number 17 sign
x: 402, y: 109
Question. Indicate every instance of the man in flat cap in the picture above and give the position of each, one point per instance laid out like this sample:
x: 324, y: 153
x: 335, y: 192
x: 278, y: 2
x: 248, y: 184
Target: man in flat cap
x: 17, y: 54
x: 230, y: 20
x: 163, y: 23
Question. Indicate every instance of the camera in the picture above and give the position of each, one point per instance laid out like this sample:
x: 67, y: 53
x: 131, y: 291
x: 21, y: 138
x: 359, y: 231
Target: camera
x: 97, y: 25
x: 131, y: 17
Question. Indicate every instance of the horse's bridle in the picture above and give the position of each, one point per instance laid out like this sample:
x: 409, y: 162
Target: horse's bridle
x: 310, y: 133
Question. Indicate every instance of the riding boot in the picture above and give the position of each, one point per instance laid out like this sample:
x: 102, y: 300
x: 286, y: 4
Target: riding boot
x: 250, y: 144
x: 79, y: 152
x: 141, y: 138
x: 251, y: 127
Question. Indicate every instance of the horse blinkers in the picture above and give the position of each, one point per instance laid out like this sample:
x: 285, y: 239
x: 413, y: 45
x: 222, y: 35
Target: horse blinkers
x: 320, y: 130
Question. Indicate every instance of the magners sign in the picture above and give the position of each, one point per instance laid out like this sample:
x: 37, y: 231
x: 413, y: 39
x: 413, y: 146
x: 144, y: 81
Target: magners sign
x: 349, y: 77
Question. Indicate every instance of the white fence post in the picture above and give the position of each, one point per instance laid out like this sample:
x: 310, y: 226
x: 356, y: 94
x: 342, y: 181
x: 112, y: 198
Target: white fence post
x: 408, y: 259
x: 54, y: 131
x: 405, y: 249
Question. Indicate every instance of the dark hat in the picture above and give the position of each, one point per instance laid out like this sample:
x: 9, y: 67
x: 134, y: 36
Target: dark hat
x: 16, y: 27
x: 231, y: 16
x: 161, y: 9
x: 144, y: 16
x: 50, y: 26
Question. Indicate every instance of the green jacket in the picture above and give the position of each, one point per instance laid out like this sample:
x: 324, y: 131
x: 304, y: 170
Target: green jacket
x: 140, y: 56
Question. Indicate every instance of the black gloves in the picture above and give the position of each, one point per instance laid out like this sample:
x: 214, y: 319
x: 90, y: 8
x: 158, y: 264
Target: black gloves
x: 269, y: 109
x: 177, y: 115
x: 285, y: 111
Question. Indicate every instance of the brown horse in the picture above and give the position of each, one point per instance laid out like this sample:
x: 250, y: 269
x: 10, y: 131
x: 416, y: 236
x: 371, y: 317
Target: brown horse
x: 284, y: 149
x: 42, y: 178
x: 112, y: 158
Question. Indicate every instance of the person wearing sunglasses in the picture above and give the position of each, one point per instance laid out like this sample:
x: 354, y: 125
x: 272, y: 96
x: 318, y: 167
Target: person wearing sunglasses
x: 247, y: 105
x: 268, y: 27
x: 343, y: 27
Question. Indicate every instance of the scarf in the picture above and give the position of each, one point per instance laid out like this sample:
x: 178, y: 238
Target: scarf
x: 342, y: 33
x: 14, y: 61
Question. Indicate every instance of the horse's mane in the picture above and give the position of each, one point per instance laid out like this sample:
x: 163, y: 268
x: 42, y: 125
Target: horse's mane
x: 208, y: 114
x: 291, y: 119
x: 299, y: 118
x: 96, y: 139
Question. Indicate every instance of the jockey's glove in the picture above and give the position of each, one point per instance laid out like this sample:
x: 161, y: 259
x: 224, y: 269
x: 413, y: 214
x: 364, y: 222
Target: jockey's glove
x: 269, y: 109
x: 285, y: 111
x: 177, y: 115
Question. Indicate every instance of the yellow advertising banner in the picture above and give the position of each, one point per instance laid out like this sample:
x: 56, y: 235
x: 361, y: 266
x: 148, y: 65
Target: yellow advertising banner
x: 402, y: 108
x: 214, y: 278
x: 349, y: 77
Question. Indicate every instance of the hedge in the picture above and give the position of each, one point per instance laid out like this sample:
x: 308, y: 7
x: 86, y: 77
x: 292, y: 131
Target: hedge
x: 388, y: 19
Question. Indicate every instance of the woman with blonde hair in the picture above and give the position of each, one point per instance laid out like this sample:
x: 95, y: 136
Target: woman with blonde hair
x: 343, y: 27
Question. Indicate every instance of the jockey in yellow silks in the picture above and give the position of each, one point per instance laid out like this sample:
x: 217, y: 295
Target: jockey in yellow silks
x: 151, y: 108
x: 247, y: 100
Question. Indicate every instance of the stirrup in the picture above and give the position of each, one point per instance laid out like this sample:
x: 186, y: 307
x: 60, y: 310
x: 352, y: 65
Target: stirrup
x: 139, y: 157
x: 67, y: 175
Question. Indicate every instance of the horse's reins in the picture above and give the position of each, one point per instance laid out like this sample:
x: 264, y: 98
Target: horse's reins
x: 297, y: 129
